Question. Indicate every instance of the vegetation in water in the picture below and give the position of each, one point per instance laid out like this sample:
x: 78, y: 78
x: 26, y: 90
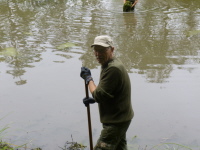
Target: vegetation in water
x: 66, y: 45
x: 192, y: 33
x: 73, y: 146
x: 127, y: 6
x: 8, y: 146
x: 5, y: 146
x: 77, y: 146
x: 8, y: 51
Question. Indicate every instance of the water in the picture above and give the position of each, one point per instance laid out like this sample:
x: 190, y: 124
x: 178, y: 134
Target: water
x: 41, y: 91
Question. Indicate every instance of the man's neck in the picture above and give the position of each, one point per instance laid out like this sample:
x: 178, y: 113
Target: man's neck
x: 106, y: 64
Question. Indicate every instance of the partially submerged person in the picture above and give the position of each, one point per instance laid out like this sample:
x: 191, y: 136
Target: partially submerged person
x: 113, y: 95
x: 129, y: 5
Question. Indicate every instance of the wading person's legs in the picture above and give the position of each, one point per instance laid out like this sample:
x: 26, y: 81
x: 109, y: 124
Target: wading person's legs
x: 122, y: 144
x: 113, y: 137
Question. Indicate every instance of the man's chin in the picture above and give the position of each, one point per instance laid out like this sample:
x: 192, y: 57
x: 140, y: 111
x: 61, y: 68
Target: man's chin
x: 99, y: 61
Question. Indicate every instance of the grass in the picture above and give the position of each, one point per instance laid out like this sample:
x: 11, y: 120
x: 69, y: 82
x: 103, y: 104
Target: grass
x: 3, y: 145
x: 171, y: 146
x: 76, y: 146
x: 72, y: 146
x: 8, y: 146
x: 161, y: 146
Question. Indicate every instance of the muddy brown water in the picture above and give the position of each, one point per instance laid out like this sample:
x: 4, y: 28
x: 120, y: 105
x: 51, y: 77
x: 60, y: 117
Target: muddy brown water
x: 43, y: 44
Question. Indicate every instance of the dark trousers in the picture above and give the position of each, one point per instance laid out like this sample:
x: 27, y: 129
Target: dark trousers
x: 113, y: 137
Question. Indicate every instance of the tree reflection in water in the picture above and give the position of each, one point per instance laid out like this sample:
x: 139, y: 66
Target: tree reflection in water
x: 149, y: 41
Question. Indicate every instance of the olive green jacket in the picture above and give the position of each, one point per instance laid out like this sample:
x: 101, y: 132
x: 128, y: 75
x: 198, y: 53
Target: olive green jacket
x: 113, y: 93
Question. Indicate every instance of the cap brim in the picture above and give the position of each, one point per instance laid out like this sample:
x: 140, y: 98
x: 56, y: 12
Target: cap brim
x: 100, y: 44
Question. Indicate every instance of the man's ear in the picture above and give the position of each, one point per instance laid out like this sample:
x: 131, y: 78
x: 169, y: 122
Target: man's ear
x: 112, y: 49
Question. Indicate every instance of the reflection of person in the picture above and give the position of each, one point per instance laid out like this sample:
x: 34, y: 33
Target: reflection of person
x: 133, y: 2
x: 113, y: 95
x: 130, y: 22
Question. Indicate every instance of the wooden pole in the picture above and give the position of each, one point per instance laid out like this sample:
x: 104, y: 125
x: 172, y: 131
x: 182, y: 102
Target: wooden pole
x: 89, y: 117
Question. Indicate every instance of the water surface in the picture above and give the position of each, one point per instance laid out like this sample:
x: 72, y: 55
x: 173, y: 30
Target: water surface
x: 43, y: 44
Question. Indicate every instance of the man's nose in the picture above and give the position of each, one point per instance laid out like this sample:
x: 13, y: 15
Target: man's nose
x: 98, y: 53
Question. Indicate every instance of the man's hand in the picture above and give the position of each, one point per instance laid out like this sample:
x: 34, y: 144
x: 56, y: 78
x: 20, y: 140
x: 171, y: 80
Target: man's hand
x: 134, y: 3
x: 88, y: 101
x: 86, y: 74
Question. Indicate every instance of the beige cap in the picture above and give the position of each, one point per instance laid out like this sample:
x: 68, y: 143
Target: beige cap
x: 103, y: 40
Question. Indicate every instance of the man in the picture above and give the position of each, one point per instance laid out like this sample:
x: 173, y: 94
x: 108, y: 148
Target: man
x: 133, y: 3
x: 113, y: 95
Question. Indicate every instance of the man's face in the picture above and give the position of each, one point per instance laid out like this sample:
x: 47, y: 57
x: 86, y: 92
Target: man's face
x: 103, y: 54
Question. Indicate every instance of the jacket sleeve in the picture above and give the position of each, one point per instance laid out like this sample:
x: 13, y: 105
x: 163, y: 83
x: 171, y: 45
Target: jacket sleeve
x: 109, y: 84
